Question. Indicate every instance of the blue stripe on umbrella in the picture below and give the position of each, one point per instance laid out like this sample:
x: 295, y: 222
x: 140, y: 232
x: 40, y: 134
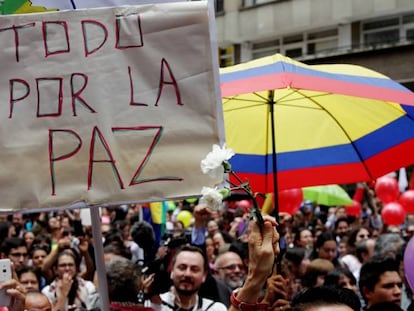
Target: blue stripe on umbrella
x: 248, y: 163
x: 370, y: 145
x: 385, y: 137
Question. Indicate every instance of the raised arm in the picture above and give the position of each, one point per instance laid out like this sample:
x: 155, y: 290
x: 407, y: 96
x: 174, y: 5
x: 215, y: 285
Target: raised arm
x: 263, y: 248
x: 51, y: 258
x: 201, y: 214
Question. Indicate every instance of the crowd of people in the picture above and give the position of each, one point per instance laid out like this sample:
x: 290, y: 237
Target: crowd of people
x: 319, y: 257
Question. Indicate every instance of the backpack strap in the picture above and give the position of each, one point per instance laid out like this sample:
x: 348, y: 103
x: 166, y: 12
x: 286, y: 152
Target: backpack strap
x: 210, y: 305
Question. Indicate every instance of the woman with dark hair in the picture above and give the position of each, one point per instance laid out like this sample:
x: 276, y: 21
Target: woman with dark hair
x: 341, y: 278
x: 356, y: 235
x: 28, y: 237
x: 326, y: 248
x: 350, y: 260
x: 303, y: 238
x: 293, y: 268
x: 295, y: 260
x: 7, y: 230
x: 69, y: 291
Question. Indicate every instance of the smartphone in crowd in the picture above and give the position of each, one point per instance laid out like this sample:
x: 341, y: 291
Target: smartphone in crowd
x: 5, y: 275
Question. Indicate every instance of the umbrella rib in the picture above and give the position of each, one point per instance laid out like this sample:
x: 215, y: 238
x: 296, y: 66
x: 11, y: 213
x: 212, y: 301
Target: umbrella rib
x: 258, y: 102
x: 248, y: 100
x: 343, y: 130
x: 278, y: 101
x: 264, y: 100
x: 283, y: 97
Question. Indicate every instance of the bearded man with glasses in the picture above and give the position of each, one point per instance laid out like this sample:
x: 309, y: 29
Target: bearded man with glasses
x: 230, y: 269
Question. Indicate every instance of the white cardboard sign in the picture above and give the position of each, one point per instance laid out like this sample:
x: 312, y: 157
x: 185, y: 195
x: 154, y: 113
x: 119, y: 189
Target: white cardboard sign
x: 105, y: 105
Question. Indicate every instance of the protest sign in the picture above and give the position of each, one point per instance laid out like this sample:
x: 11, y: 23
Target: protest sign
x: 105, y: 105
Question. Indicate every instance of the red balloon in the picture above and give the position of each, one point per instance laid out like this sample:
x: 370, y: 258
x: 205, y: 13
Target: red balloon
x: 355, y: 209
x: 393, y: 214
x: 387, y: 189
x: 407, y: 201
x: 290, y: 200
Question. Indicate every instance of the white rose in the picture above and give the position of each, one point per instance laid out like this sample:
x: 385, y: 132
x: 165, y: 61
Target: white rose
x: 211, y: 197
x: 213, y: 163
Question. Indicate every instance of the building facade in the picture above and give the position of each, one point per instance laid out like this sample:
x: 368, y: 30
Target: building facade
x: 378, y: 34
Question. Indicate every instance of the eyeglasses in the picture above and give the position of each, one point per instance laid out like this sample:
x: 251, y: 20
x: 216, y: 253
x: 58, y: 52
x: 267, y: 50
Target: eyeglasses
x: 364, y: 236
x: 18, y: 255
x: 232, y: 267
x: 29, y: 282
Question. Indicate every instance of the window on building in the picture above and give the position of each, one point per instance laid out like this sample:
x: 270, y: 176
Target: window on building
x: 266, y: 48
x: 322, y: 46
x: 410, y: 34
x: 408, y: 27
x: 219, y: 6
x: 298, y: 45
x: 380, y: 24
x: 293, y: 45
x: 293, y: 39
x: 408, y: 19
x: 385, y: 36
x: 249, y: 3
x: 226, y: 56
x: 321, y: 41
x: 397, y: 29
x: 294, y: 52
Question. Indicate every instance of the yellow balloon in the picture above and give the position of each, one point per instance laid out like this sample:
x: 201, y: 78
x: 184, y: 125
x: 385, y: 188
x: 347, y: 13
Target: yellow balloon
x: 185, y: 217
x: 268, y: 207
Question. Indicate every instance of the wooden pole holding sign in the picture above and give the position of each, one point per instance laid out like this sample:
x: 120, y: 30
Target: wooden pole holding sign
x: 99, y: 258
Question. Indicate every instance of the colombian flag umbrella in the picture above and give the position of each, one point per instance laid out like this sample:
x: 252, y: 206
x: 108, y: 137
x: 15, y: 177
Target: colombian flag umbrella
x: 294, y: 125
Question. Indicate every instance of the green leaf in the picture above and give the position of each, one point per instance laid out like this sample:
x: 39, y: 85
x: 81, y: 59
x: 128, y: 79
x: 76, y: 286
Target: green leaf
x: 227, y: 166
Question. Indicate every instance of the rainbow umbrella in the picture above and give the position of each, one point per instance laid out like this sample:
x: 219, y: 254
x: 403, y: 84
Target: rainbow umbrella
x: 294, y: 125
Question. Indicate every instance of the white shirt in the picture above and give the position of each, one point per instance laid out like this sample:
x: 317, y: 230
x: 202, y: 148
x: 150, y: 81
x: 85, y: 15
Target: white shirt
x: 203, y: 305
x: 87, y: 296
x: 353, y: 264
